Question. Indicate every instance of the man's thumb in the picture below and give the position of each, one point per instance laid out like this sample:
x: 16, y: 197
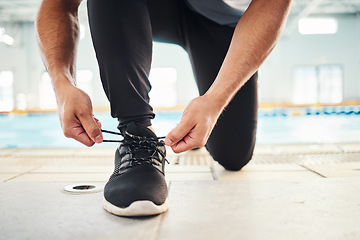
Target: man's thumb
x: 92, y: 128
x: 178, y: 133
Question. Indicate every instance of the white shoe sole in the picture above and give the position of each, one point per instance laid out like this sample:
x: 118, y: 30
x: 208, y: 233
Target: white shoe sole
x: 137, y: 209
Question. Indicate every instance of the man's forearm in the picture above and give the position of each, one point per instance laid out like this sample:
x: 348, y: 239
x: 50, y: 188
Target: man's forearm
x: 57, y: 33
x: 255, y: 36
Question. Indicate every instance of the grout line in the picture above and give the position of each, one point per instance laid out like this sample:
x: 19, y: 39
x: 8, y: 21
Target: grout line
x: 158, y: 226
x: 313, y: 171
x: 161, y: 217
x: 21, y: 174
x: 9, y: 153
x: 213, y: 173
x: 305, y: 168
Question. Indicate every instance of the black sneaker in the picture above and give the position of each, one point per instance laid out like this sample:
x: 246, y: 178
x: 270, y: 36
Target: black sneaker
x: 137, y: 186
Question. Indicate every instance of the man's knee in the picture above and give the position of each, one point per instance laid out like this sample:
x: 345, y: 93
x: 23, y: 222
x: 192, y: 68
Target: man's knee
x: 232, y: 159
x: 232, y: 163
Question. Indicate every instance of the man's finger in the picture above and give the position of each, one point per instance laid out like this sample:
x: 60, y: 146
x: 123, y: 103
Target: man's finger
x: 72, y: 128
x: 179, y: 132
x: 183, y: 145
x: 82, y: 137
x: 91, y: 127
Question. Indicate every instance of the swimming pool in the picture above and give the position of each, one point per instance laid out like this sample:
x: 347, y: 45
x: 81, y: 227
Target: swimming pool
x: 44, y: 131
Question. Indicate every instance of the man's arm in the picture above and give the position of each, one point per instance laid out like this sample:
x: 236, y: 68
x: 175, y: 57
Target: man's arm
x: 57, y: 32
x: 256, y: 34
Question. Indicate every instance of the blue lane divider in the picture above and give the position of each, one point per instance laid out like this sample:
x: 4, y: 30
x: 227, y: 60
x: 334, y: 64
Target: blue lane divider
x: 326, y: 110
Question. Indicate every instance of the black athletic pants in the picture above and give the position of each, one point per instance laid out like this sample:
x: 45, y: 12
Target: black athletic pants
x: 122, y: 33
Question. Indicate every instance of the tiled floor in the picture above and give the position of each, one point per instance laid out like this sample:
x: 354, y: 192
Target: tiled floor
x: 285, y: 192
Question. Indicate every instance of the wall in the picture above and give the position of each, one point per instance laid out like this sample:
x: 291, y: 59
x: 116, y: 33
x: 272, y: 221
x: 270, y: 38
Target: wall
x: 295, y: 49
x: 275, y: 75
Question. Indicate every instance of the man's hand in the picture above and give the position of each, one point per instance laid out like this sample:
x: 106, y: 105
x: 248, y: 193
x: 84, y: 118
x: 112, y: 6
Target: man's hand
x: 196, y: 124
x: 254, y: 37
x: 76, y: 116
x: 57, y: 29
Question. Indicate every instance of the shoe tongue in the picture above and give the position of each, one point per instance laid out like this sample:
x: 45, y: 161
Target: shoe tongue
x: 139, y: 130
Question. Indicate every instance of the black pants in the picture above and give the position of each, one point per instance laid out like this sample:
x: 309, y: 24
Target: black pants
x: 122, y: 33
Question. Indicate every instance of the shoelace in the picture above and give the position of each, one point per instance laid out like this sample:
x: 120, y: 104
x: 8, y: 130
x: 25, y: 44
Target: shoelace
x: 137, y: 144
x: 129, y: 134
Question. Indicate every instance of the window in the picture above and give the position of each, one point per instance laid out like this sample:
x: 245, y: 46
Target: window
x: 7, y: 39
x: 6, y: 91
x: 47, y: 95
x: 317, y: 26
x: 330, y: 84
x: 305, y: 85
x: 163, y: 92
x: 317, y: 84
x: 84, y: 81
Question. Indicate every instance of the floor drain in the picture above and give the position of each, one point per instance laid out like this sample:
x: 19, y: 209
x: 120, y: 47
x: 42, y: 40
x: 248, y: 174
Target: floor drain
x: 82, y: 188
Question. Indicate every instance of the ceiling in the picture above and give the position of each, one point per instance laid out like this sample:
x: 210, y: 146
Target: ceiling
x: 25, y: 10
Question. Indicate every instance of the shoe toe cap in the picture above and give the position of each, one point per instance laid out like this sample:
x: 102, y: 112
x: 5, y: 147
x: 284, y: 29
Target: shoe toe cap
x: 143, y: 182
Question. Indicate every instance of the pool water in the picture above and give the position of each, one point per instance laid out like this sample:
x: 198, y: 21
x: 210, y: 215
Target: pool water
x: 44, y: 131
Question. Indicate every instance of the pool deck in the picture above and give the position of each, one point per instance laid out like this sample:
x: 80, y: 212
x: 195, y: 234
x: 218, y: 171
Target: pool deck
x: 285, y: 192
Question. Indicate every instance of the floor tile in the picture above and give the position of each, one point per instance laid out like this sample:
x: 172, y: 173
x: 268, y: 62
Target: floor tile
x: 306, y: 148
x: 277, y: 159
x: 109, y: 169
x: 346, y: 169
x: 103, y: 152
x: 171, y: 168
x: 195, y: 157
x: 264, y: 172
x: 75, y: 169
x: 5, y: 152
x: 271, y: 198
x: 272, y: 167
x: 38, y: 162
x: 309, y: 158
x: 193, y: 161
x: 16, y: 169
x: 6, y: 176
x: 61, y: 177
x: 44, y: 211
x: 297, y: 210
x: 273, y: 175
x: 194, y: 176
x: 28, y: 153
x: 329, y: 158
x: 350, y: 147
x: 263, y: 149
x: 55, y: 161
